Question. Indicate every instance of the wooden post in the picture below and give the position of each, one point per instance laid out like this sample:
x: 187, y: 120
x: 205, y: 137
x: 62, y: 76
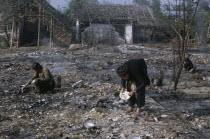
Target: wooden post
x: 18, y: 4
x: 18, y: 34
x: 43, y: 12
x: 77, y: 31
x: 38, y: 41
x: 12, y: 33
x: 51, y: 25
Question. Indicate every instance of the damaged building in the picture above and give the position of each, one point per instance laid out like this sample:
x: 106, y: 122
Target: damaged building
x: 33, y: 23
x: 114, y: 23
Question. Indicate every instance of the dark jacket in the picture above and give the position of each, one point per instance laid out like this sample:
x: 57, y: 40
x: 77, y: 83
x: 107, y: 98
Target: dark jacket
x: 137, y: 70
x: 188, y: 65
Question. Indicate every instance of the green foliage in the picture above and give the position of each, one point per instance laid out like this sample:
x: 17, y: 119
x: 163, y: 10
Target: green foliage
x: 204, y: 6
x: 156, y: 7
x: 76, y: 5
x: 142, y: 2
x: 173, y: 18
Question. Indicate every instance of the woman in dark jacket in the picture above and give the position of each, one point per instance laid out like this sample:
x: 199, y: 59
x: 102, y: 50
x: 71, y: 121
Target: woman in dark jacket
x: 131, y: 72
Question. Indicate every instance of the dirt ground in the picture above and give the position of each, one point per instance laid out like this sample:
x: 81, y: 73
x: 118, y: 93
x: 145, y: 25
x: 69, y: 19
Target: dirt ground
x: 89, y: 94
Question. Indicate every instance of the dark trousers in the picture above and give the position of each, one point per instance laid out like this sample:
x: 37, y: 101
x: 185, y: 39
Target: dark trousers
x: 44, y: 87
x: 138, y: 98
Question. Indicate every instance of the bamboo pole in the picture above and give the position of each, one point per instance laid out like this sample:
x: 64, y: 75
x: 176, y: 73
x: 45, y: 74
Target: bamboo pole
x: 39, y: 24
x: 51, y: 25
x: 18, y: 34
x: 11, y: 35
x: 18, y: 4
x: 43, y: 19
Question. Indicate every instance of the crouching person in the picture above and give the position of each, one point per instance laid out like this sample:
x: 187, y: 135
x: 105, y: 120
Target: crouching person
x: 189, y: 66
x: 42, y: 79
x: 134, y: 72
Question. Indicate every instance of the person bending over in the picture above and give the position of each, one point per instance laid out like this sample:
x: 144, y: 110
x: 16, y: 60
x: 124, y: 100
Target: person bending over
x: 131, y: 72
x: 42, y: 79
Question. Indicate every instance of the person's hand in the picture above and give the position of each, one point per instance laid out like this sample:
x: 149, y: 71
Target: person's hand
x: 191, y: 70
x: 206, y: 61
x: 22, y: 88
x: 131, y: 93
x: 122, y: 90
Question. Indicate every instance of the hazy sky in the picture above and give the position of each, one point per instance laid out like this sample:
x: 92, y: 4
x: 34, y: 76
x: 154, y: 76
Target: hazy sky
x: 117, y: 1
x: 60, y: 4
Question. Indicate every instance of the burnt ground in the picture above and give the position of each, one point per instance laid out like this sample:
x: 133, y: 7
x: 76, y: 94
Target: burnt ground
x: 89, y: 94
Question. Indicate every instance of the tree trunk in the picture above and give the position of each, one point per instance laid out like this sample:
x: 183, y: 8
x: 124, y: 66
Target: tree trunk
x: 178, y: 75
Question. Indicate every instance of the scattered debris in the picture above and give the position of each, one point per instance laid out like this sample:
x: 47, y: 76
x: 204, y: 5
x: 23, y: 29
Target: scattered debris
x: 89, y: 125
x: 164, y: 116
x: 90, y: 94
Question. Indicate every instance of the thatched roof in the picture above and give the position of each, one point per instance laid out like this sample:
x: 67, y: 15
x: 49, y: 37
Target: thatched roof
x: 15, y: 8
x: 141, y: 15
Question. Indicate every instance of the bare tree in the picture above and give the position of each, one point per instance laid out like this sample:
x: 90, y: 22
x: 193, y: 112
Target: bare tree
x: 182, y: 29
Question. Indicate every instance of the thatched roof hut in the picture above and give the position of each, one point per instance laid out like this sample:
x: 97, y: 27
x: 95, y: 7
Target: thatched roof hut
x: 38, y: 18
x: 140, y: 15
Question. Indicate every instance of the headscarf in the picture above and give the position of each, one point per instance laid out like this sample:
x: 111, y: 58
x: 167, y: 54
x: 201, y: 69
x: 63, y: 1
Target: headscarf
x: 122, y: 70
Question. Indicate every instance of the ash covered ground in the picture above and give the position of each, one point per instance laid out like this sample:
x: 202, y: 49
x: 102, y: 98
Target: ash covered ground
x: 89, y: 94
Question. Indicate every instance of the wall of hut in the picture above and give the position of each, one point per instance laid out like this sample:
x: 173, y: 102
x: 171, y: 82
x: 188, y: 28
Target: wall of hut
x: 138, y: 34
x: 143, y: 35
x: 100, y: 34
